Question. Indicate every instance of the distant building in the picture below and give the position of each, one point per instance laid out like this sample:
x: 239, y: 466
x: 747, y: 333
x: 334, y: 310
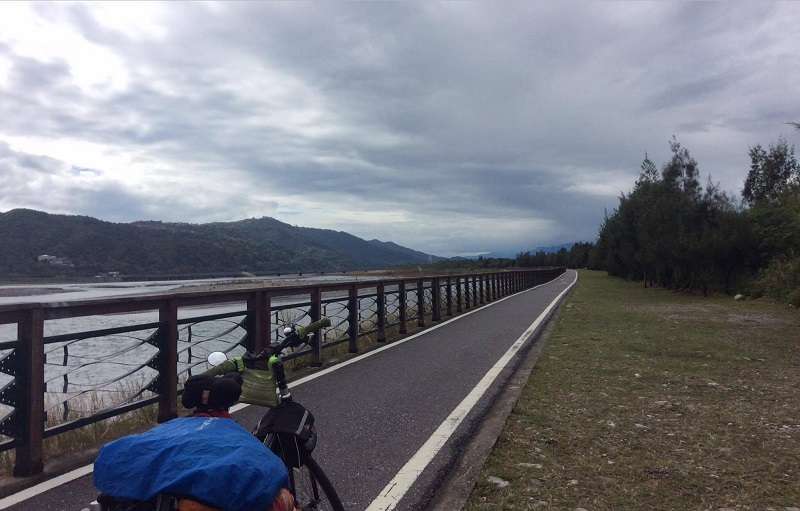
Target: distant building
x: 55, y: 260
x: 109, y: 275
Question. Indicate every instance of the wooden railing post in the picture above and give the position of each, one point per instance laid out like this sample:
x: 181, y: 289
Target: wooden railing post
x: 472, y: 295
x: 168, y: 361
x: 448, y: 304
x: 256, y: 322
x: 467, y: 292
x: 352, y: 319
x: 381, y: 303
x: 403, y: 298
x: 29, y: 409
x: 481, y: 289
x: 420, y: 302
x: 268, y: 317
x: 472, y: 292
x: 315, y: 314
x: 436, y: 299
x: 459, y: 295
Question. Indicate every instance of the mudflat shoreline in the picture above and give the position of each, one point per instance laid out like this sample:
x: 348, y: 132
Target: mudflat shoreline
x: 7, y: 292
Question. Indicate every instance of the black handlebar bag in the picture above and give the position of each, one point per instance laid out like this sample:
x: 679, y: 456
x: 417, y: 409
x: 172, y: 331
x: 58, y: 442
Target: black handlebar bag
x: 288, y: 430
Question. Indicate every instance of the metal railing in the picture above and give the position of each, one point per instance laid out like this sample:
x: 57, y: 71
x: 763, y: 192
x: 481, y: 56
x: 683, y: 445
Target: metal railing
x: 47, y: 379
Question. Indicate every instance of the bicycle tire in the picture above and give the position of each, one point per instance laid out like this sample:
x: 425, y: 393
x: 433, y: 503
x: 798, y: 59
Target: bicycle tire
x: 318, y: 493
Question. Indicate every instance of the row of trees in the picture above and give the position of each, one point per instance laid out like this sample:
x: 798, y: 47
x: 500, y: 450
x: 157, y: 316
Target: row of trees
x: 576, y: 257
x: 672, y: 231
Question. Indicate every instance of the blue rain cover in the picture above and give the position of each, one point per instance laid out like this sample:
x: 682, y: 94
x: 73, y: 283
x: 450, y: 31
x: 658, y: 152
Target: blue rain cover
x: 213, y: 460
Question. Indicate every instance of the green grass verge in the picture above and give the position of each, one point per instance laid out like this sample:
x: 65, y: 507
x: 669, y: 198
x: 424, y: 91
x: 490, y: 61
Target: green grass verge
x: 649, y: 399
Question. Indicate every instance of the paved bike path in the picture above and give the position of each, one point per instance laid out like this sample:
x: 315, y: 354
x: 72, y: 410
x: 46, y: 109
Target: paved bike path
x: 373, y: 415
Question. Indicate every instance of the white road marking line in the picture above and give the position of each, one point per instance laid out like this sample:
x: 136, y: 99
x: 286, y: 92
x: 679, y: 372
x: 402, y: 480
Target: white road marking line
x: 33, y: 491
x: 40, y: 488
x: 391, y: 494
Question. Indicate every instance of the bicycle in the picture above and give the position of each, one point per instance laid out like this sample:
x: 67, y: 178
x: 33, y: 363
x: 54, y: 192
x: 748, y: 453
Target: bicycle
x: 287, y: 429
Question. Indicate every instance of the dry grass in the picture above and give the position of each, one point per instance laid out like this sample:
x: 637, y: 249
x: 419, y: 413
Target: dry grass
x: 92, y: 435
x: 648, y: 399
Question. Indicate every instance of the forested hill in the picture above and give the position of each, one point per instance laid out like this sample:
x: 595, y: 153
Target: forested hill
x: 81, y: 245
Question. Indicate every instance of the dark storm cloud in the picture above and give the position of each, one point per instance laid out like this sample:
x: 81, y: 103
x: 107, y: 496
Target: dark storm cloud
x: 693, y: 91
x: 448, y: 127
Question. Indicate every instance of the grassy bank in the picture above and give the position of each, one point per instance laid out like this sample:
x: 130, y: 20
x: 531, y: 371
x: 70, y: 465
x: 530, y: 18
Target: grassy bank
x: 649, y: 399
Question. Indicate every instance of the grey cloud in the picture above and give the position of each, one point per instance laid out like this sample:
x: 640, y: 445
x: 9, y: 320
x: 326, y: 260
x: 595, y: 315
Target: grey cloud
x: 28, y: 180
x: 693, y: 91
x: 449, y: 113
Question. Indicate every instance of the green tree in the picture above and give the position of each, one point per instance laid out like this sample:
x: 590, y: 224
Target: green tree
x: 681, y: 171
x: 772, y: 173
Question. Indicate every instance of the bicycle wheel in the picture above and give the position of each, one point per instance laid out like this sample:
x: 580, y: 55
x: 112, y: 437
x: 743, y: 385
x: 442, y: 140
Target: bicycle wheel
x: 312, y: 489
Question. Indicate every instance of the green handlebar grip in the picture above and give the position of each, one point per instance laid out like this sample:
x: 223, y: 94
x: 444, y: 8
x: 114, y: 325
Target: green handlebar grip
x: 316, y: 326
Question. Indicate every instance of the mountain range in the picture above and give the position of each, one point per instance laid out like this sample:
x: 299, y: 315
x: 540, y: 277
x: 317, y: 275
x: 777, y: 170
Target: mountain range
x: 38, y: 243
x: 508, y: 254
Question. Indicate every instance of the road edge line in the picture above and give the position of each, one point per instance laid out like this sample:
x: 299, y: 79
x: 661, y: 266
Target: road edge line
x: 390, y: 496
x: 476, y: 444
x: 38, y: 489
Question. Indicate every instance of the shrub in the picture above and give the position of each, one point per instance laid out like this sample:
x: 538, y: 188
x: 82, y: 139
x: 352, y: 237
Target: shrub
x: 781, y: 279
x: 794, y: 298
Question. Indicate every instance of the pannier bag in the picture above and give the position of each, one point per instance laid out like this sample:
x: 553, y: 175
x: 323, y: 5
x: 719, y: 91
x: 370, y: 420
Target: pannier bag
x: 212, y: 460
x: 288, y: 429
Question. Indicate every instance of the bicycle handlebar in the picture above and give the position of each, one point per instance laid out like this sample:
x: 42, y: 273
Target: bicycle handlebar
x: 300, y: 335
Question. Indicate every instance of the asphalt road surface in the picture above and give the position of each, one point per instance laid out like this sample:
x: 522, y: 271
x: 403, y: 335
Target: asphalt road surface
x: 373, y: 415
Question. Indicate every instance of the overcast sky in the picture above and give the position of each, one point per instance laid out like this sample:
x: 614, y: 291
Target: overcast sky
x: 452, y: 128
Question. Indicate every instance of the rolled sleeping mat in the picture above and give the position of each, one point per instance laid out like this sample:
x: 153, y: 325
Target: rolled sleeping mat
x: 314, y: 327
